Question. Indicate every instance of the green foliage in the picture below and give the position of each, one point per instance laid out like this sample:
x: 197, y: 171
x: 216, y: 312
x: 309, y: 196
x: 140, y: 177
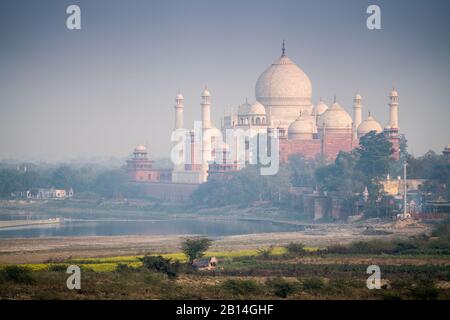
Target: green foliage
x: 302, y: 171
x: 241, y: 287
x: 342, y: 176
x: 111, y: 183
x: 312, y: 284
x: 195, y: 248
x: 160, y: 264
x: 296, y: 248
x: 281, y: 288
x: 374, y: 155
x: 265, y: 253
x: 123, y: 267
x: 244, y: 188
x: 17, y: 274
x: 58, y: 267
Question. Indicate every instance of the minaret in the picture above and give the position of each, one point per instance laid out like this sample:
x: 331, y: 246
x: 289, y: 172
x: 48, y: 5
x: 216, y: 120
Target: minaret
x: 393, y: 108
x: 206, y: 125
x: 206, y: 109
x: 179, y: 124
x: 179, y: 109
x: 357, y: 114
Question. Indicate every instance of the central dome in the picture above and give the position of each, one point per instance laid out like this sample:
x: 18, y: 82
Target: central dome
x: 285, y: 91
x: 283, y: 82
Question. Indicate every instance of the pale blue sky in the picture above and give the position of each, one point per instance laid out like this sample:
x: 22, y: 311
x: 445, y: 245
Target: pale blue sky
x: 101, y: 90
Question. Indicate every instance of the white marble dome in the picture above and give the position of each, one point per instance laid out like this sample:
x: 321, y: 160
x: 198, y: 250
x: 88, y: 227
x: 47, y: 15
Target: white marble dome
x: 368, y: 125
x: 283, y: 83
x: 257, y: 109
x: 335, y: 118
x: 301, y: 128
x: 320, y: 108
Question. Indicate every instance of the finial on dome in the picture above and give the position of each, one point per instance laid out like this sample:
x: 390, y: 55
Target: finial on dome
x: 283, y: 49
x: 369, y: 113
x: 334, y: 98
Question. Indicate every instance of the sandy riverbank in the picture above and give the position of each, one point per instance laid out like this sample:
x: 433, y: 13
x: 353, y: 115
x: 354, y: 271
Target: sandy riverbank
x: 35, y: 250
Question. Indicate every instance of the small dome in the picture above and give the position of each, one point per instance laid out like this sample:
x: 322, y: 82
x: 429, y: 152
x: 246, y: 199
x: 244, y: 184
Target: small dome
x: 244, y: 108
x: 335, y: 118
x: 257, y: 109
x: 301, y: 128
x: 358, y: 97
x: 394, y: 93
x: 179, y: 96
x: 368, y: 125
x: 140, y: 148
x: 320, y: 108
x: 206, y: 93
x: 448, y: 147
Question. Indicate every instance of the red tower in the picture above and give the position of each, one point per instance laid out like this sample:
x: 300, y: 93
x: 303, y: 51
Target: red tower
x: 140, y: 168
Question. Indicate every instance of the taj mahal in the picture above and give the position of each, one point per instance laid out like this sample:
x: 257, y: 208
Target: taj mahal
x: 283, y: 107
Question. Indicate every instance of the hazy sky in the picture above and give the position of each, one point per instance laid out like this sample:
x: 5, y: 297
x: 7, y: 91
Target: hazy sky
x: 99, y: 91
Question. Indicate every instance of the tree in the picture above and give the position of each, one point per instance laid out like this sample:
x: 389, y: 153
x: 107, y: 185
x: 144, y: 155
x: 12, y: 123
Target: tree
x: 374, y: 155
x: 63, y: 177
x: 195, y: 248
x: 302, y: 171
x: 111, y: 183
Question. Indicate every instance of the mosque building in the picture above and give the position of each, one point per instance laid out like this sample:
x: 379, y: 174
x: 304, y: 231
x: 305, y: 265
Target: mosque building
x: 283, y: 104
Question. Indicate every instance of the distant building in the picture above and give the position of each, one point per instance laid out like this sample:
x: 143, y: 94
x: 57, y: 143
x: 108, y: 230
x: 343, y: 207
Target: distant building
x: 43, y: 193
x: 140, y: 168
x: 446, y: 152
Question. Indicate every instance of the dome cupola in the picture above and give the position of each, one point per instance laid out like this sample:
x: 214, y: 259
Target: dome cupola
x: 301, y: 129
x: 368, y: 125
x: 335, y: 118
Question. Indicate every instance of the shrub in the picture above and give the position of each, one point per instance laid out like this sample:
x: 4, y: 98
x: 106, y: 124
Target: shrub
x: 241, y: 286
x: 18, y: 274
x: 312, y: 284
x: 424, y: 290
x: 281, y: 288
x: 296, y: 248
x: 160, y: 264
x: 58, y: 267
x: 123, y: 267
x: 265, y: 253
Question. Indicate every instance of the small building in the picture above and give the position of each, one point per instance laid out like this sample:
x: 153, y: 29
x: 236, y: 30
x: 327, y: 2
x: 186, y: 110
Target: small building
x: 140, y: 168
x: 205, y: 264
x: 43, y: 193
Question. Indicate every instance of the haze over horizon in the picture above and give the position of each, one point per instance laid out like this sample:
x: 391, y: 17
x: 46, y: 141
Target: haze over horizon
x: 99, y: 91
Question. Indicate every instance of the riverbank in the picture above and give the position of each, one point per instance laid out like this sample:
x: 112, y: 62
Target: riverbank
x: 38, y: 250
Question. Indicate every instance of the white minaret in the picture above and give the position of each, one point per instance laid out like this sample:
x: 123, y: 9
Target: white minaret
x: 357, y: 114
x: 206, y: 109
x: 179, y: 109
x: 393, y: 109
x: 206, y: 125
x: 179, y: 124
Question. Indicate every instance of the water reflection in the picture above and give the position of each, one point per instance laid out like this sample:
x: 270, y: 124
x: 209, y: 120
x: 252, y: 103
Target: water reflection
x: 211, y: 228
